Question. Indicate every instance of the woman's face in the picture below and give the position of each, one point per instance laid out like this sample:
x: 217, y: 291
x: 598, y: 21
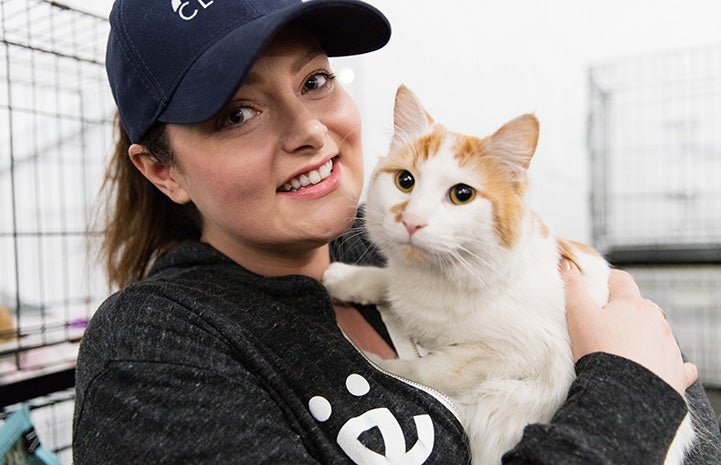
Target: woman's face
x: 279, y: 170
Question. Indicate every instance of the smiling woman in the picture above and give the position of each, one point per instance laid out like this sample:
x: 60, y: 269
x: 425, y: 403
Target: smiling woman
x: 286, y: 124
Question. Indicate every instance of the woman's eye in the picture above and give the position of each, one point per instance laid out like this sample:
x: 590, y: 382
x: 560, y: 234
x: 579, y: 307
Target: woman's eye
x: 461, y: 194
x: 317, y: 81
x: 405, y: 181
x: 239, y: 116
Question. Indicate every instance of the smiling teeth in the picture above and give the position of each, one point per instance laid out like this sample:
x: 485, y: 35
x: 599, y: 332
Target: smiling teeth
x: 310, y: 178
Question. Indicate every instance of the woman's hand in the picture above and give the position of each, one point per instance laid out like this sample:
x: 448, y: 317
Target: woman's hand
x: 628, y: 326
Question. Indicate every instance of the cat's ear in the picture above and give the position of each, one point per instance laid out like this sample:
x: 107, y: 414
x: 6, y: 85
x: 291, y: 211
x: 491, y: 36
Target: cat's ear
x: 410, y: 119
x: 516, y: 140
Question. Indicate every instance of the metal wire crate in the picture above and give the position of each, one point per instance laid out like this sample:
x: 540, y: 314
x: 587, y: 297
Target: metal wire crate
x: 691, y: 297
x: 55, y: 133
x: 656, y: 156
x: 656, y: 196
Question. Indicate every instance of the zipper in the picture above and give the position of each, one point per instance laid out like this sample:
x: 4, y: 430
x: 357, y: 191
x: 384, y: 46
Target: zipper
x: 439, y: 396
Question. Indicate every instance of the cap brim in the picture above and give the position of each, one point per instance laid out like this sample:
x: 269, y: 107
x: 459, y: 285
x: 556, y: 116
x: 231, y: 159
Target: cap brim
x: 342, y: 27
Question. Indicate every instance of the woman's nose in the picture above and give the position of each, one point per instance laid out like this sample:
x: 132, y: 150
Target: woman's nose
x: 304, y: 132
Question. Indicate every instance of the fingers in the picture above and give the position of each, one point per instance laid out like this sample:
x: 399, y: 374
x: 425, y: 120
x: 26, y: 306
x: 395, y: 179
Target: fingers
x: 691, y: 373
x: 629, y: 326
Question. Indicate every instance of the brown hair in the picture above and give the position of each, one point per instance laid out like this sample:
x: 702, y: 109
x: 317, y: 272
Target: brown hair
x: 140, y: 222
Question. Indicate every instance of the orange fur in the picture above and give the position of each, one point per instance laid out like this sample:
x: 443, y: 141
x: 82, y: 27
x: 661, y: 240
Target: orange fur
x: 413, y: 254
x: 430, y: 144
x: 411, y: 156
x: 398, y: 210
x: 568, y: 251
x: 543, y: 228
x: 585, y: 248
x: 506, y: 196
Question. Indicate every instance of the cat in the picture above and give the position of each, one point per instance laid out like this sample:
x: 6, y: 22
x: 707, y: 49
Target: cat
x: 472, y: 276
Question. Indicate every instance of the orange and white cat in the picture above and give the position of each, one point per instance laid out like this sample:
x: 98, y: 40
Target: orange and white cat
x: 471, y: 277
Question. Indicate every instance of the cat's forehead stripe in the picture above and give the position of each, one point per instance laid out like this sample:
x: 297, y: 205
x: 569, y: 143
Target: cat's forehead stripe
x: 428, y: 145
x: 415, y: 154
x: 467, y: 148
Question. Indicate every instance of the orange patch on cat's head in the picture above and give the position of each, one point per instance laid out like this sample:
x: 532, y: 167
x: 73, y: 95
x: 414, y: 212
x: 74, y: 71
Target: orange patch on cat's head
x: 417, y: 152
x: 412, y: 155
x: 497, y: 186
x: 501, y: 162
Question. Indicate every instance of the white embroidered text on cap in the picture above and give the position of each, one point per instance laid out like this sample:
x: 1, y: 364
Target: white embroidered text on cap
x: 182, y: 8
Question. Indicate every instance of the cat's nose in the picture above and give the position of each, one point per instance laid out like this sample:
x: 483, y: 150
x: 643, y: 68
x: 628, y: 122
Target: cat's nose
x: 413, y: 223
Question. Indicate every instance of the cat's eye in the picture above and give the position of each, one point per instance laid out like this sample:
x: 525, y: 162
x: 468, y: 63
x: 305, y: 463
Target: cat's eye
x: 461, y: 194
x: 405, y: 181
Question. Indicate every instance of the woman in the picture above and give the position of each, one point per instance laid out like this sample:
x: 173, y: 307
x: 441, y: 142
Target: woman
x: 237, y: 176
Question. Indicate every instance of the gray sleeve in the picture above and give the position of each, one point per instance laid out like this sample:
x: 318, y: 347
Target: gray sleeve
x: 155, y: 384
x: 617, y: 412
x: 161, y: 413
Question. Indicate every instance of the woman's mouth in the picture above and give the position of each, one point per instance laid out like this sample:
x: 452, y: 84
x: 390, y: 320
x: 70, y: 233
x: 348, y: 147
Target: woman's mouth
x: 309, y: 178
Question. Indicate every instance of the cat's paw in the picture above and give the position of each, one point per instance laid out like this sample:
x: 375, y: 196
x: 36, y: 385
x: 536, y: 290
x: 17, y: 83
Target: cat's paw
x: 377, y: 359
x: 392, y: 365
x: 403, y: 368
x: 350, y: 283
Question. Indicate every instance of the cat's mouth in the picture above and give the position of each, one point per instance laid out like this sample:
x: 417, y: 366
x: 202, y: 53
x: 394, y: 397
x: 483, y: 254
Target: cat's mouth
x: 309, y: 178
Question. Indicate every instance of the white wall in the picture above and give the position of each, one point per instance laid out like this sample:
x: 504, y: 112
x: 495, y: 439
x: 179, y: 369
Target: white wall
x: 478, y: 63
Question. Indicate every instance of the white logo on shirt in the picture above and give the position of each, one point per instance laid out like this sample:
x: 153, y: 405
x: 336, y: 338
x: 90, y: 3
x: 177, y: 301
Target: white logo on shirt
x: 185, y: 12
x: 387, y: 424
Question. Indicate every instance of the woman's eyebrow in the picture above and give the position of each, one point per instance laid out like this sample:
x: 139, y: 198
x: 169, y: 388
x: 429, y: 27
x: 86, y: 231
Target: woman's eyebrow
x: 307, y: 58
x: 253, y: 78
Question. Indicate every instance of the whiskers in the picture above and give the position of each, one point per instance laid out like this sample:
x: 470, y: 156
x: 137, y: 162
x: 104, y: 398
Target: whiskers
x: 469, y: 263
x: 471, y: 269
x: 354, y: 245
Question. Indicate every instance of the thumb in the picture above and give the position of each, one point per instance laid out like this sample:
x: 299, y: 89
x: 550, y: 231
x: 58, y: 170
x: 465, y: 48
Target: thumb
x: 578, y: 299
x: 580, y: 309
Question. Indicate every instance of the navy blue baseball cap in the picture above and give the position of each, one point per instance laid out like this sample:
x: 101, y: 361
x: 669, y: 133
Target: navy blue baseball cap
x: 180, y: 61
